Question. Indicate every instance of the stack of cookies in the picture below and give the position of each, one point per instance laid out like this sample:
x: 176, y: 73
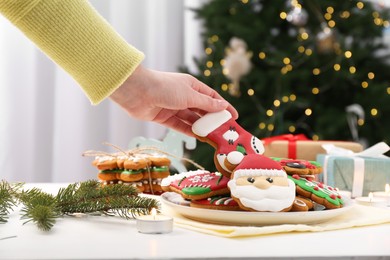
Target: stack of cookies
x: 142, y: 170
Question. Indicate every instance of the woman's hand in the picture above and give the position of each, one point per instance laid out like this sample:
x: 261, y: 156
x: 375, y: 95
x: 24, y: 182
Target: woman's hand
x: 175, y: 100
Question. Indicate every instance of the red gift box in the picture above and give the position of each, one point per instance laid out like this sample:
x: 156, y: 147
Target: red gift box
x: 300, y: 147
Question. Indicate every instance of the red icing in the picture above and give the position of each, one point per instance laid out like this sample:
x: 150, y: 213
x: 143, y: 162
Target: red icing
x: 296, y: 176
x: 224, y: 146
x: 212, y: 180
x: 332, y: 196
x: 257, y: 161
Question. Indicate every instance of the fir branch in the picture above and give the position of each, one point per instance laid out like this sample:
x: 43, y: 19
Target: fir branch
x: 7, y: 198
x: 40, y: 208
x: 91, y: 197
x: 86, y: 197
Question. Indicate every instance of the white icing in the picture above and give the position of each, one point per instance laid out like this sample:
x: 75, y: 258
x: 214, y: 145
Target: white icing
x: 257, y: 145
x: 224, y: 200
x: 168, y: 180
x: 300, y: 203
x: 258, y: 172
x: 274, y: 199
x: 221, y: 160
x: 209, y: 122
x: 235, y: 157
x: 201, y: 178
x: 104, y: 158
x: 227, y: 201
x: 230, y: 135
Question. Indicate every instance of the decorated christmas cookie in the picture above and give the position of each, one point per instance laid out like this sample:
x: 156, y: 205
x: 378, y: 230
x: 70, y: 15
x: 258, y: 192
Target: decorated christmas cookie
x: 298, y: 166
x: 260, y: 184
x: 228, y: 138
x: 222, y: 202
x: 317, y: 191
x: 196, y: 185
x: 141, y: 170
x: 106, y: 162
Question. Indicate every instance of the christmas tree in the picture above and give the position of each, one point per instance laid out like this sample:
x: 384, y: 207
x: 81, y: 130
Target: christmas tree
x: 313, y: 67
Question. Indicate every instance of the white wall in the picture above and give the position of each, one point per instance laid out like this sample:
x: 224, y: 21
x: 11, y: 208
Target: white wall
x: 46, y: 122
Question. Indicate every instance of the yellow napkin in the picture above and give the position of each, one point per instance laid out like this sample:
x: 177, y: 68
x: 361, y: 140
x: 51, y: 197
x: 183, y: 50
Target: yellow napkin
x: 357, y: 216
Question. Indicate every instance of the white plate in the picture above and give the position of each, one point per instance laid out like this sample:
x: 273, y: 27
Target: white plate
x: 245, y: 218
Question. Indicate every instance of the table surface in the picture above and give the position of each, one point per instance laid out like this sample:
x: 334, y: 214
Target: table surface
x: 100, y: 237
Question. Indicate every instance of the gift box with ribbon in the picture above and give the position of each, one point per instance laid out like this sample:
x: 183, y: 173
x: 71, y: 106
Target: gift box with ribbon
x: 300, y: 147
x: 360, y: 173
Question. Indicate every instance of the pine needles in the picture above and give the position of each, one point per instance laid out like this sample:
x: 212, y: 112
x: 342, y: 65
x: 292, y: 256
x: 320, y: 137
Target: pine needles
x: 85, y: 197
x: 7, y: 199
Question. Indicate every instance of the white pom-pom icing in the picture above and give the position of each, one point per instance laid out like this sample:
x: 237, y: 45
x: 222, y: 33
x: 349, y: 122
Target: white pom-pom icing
x: 209, y: 122
x: 235, y: 157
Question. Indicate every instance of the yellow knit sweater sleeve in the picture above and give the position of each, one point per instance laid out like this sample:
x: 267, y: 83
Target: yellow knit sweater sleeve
x: 78, y: 39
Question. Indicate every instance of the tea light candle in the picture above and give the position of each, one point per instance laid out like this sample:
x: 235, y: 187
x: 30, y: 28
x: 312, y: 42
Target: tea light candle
x: 371, y: 201
x: 384, y: 194
x: 154, y: 223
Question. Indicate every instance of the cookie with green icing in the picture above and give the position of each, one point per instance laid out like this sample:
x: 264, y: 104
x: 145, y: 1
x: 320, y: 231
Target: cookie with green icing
x: 196, y: 185
x: 317, y: 191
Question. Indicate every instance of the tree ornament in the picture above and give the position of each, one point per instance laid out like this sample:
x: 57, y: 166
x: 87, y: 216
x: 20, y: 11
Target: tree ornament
x: 355, y: 114
x: 326, y: 40
x: 297, y: 15
x: 237, y: 64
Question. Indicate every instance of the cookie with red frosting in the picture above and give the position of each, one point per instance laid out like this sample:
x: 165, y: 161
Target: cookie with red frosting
x: 317, y: 191
x: 220, y: 202
x: 196, y: 185
x: 259, y: 183
x: 299, y: 166
x: 230, y: 140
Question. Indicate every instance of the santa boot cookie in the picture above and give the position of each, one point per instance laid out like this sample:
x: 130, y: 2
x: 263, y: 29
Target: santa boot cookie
x: 230, y: 140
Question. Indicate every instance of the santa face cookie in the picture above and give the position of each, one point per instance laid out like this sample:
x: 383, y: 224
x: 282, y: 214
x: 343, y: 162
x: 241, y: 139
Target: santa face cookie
x: 196, y: 185
x: 222, y: 132
x: 260, y: 184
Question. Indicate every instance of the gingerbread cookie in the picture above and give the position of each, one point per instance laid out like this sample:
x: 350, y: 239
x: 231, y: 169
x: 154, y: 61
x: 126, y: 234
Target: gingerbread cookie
x: 299, y: 166
x: 142, y: 170
x: 106, y: 162
x: 222, y: 132
x: 221, y: 202
x: 317, y: 191
x: 196, y: 185
x: 260, y: 184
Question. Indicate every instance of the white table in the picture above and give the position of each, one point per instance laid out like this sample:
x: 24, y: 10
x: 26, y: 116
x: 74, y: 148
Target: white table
x: 97, y: 237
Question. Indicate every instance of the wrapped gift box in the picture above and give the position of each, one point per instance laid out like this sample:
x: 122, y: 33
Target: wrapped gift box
x: 300, y: 147
x: 360, y: 175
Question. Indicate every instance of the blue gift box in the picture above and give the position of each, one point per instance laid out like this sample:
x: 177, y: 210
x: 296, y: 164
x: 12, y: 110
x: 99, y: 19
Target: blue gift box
x: 360, y: 175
